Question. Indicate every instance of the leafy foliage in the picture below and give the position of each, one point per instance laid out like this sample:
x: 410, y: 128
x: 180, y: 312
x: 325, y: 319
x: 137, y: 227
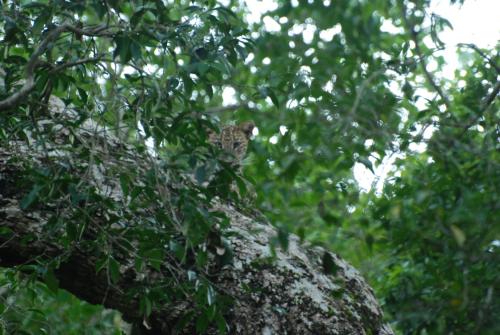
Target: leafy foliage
x: 144, y: 71
x: 31, y: 308
x: 352, y: 93
x: 330, y: 88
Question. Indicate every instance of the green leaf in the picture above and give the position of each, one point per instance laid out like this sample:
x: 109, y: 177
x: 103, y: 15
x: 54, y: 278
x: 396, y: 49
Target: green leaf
x: 408, y: 90
x: 283, y: 238
x: 209, y: 90
x: 72, y: 230
x: 367, y: 163
x: 202, y: 323
x: 329, y: 265
x: 175, y: 14
x: 31, y: 198
x: 83, y: 95
x: 136, y: 17
x: 40, y: 21
x: 51, y: 280
x: 124, y: 183
x: 114, y: 270
x: 273, y: 97
x: 122, y: 48
x: 201, y: 174
x: 145, y: 306
x: 101, y: 263
x: 135, y: 50
x: 139, y: 264
x: 5, y: 231
x: 221, y: 324
x: 210, y: 295
x: 458, y: 234
x: 154, y: 257
x: 184, y: 321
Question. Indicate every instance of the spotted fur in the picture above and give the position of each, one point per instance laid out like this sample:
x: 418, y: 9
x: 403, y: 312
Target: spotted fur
x: 233, y: 140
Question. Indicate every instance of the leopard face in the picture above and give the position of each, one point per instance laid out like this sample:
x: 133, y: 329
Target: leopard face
x: 233, y: 140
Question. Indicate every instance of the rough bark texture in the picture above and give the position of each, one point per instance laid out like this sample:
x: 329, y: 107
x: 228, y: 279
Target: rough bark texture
x: 287, y: 294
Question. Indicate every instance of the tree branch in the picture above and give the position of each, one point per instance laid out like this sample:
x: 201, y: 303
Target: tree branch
x: 292, y: 294
x: 482, y: 54
x: 491, y: 97
x: 423, y: 64
x: 485, y: 103
x: 74, y: 63
x: 228, y: 108
x: 29, y: 83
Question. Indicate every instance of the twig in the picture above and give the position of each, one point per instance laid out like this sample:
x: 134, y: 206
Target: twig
x: 423, y: 64
x: 489, y: 99
x: 77, y: 62
x: 361, y: 90
x: 33, y: 61
x: 484, y: 105
x: 228, y: 108
x: 482, y: 54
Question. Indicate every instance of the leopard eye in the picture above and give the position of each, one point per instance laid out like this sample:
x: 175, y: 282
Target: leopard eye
x: 236, y: 145
x: 218, y: 144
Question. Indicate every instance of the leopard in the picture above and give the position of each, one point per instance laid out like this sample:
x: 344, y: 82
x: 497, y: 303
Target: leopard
x: 233, y: 141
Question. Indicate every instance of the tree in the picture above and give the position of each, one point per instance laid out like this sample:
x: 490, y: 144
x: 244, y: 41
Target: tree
x: 117, y: 184
x: 354, y: 85
x: 154, y: 229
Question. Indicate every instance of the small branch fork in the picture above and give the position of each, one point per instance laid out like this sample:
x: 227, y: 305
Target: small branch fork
x: 485, y: 103
x: 29, y: 83
x: 488, y: 100
x: 423, y: 63
x: 482, y: 54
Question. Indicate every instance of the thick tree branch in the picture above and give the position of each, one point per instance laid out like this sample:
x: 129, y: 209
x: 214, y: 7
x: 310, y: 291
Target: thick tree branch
x: 290, y: 294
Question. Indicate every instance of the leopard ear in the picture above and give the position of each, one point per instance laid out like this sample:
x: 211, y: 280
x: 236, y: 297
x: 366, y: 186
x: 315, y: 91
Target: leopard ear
x: 247, y: 127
